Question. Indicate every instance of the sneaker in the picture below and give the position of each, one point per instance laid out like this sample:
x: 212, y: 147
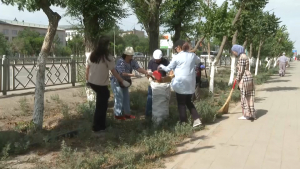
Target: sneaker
x: 129, y: 116
x: 243, y: 118
x: 120, y: 117
x: 197, y: 123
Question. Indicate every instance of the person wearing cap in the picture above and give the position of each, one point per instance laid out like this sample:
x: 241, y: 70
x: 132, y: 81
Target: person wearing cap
x: 153, y: 66
x: 184, y: 81
x: 282, y: 61
x: 124, y: 66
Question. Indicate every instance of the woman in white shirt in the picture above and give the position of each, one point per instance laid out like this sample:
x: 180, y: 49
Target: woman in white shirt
x: 184, y: 82
x: 99, y: 63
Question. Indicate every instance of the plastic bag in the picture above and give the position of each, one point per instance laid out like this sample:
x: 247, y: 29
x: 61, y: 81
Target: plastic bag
x: 160, y: 101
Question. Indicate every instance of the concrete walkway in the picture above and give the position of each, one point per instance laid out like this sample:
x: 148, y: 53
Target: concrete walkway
x: 271, y: 142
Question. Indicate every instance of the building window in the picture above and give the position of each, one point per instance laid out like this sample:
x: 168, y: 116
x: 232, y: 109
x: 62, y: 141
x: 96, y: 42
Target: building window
x: 14, y: 32
x: 5, y: 31
x: 7, y: 38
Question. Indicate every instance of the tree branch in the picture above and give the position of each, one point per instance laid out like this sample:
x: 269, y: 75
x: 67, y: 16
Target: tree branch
x: 147, y: 2
x: 197, y: 45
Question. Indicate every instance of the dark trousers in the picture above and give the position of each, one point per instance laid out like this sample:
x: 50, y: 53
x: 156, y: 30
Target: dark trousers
x: 149, y: 102
x: 102, y: 97
x: 183, y: 101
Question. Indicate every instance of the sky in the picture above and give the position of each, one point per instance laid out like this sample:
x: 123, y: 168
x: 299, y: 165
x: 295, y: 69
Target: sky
x: 285, y: 9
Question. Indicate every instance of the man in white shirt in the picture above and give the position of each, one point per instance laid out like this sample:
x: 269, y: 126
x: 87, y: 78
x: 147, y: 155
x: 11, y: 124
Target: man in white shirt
x: 282, y: 61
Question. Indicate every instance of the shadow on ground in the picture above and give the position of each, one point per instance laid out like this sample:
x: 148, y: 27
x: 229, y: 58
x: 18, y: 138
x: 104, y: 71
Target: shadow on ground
x: 274, y: 89
x: 259, y: 99
x: 278, y: 81
x: 260, y: 113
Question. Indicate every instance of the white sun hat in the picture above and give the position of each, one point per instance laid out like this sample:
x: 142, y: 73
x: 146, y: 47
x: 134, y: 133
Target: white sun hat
x: 129, y: 51
x: 157, y: 54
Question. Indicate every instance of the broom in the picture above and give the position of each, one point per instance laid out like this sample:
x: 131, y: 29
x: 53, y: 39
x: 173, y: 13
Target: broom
x: 225, y: 107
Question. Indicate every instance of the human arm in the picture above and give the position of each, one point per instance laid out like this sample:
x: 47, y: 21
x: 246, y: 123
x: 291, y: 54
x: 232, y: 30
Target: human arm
x: 170, y: 67
x: 116, y: 75
x: 136, y: 67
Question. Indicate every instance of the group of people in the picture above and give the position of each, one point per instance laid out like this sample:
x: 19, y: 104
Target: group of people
x: 100, y: 62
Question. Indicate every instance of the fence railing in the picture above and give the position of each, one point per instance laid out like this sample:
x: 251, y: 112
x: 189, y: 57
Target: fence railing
x: 20, y: 73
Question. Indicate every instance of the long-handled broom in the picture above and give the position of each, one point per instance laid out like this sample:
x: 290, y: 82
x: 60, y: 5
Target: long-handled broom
x: 225, y: 107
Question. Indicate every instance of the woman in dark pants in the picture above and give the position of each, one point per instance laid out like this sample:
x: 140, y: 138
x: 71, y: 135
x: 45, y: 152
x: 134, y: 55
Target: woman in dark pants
x: 99, y: 64
x: 184, y: 81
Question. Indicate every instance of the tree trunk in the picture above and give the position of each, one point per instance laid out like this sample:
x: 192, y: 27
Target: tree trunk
x: 152, y: 26
x: 250, y: 56
x: 91, y: 31
x: 177, y: 34
x: 245, y: 44
x: 208, y: 52
x: 212, y: 71
x: 233, y: 66
x: 153, y: 36
x: 53, y: 18
x: 258, y: 55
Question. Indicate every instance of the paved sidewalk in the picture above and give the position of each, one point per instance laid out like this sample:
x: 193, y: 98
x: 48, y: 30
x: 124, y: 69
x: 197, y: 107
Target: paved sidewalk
x: 271, y: 142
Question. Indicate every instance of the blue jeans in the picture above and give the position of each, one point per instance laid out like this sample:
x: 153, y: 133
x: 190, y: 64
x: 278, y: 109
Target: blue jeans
x: 149, y: 102
x: 122, y: 99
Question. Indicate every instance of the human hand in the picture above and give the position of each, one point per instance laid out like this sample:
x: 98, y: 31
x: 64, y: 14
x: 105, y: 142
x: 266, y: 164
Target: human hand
x: 149, y: 73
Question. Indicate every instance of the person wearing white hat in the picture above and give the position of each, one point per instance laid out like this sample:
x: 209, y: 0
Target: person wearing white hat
x: 283, y: 62
x: 124, y: 66
x: 153, y: 66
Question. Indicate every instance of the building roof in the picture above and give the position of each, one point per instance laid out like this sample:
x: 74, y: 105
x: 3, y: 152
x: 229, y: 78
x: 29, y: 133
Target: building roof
x: 24, y: 24
x: 68, y: 27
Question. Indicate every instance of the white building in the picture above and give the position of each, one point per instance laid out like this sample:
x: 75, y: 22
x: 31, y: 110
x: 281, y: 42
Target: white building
x: 71, y: 31
x: 10, y: 29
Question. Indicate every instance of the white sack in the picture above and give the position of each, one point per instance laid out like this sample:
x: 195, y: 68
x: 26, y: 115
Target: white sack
x: 160, y: 101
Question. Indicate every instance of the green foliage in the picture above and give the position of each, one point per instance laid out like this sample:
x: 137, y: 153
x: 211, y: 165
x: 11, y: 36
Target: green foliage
x: 35, y: 5
x: 4, y: 48
x: 96, y: 16
x: 76, y: 45
x: 28, y: 42
x: 179, y: 16
x: 147, y: 13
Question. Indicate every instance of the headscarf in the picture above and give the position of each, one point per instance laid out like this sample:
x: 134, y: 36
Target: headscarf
x: 238, y: 49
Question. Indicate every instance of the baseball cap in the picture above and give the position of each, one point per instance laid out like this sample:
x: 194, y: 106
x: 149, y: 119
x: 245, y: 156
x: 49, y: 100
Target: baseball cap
x: 157, y: 54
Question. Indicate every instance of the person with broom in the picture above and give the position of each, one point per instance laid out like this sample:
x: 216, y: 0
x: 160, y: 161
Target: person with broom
x: 245, y: 83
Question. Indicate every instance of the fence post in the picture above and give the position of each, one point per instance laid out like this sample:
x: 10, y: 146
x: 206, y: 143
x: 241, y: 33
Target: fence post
x: 73, y: 71
x: 1, y: 75
x: 146, y: 61
x: 5, y: 74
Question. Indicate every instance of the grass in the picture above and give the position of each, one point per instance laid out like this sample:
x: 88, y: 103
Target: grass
x: 24, y: 105
x: 133, y: 144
